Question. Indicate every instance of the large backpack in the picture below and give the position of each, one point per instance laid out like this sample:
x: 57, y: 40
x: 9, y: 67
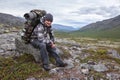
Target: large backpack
x: 32, y: 20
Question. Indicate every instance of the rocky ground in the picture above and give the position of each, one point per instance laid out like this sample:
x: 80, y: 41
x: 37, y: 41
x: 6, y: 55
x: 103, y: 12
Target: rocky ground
x: 87, y: 59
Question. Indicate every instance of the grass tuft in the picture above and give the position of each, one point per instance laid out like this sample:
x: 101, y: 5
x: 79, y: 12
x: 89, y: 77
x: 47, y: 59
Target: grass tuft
x: 20, y: 68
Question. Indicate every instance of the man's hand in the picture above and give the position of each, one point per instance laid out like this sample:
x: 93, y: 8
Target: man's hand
x: 52, y: 45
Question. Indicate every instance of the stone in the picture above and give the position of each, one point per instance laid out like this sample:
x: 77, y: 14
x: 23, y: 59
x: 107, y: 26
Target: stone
x: 7, y: 44
x: 31, y: 78
x: 6, y: 31
x: 85, y: 71
x: 21, y: 47
x: 85, y: 66
x: 8, y: 47
x: 113, y: 76
x: 71, y: 78
x: 1, y: 50
x: 113, y: 53
x: 100, y: 68
x: 69, y: 63
x: 91, y: 62
x: 53, y: 71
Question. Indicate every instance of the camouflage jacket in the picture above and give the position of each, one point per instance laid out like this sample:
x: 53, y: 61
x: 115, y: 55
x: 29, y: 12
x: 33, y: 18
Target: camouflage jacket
x: 43, y: 33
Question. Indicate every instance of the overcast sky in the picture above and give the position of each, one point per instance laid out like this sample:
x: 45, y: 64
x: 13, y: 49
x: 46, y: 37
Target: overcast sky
x: 75, y: 13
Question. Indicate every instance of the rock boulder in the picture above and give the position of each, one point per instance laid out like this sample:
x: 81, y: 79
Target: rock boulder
x: 21, y: 47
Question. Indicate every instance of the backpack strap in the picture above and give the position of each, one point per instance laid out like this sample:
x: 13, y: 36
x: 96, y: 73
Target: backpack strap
x: 29, y: 28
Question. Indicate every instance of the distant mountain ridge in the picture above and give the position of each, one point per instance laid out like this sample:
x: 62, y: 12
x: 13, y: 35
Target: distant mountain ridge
x: 103, y: 25
x: 11, y: 20
x: 64, y: 28
x: 109, y: 28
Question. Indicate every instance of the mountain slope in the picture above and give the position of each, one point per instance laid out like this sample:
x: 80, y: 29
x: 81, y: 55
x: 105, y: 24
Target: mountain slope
x: 109, y: 28
x: 11, y: 20
x: 103, y: 25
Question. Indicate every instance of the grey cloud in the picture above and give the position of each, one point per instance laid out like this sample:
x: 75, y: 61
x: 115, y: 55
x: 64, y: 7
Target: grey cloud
x: 27, y: 4
x: 76, y: 22
x: 62, y: 8
x: 103, y: 11
x: 1, y: 1
x: 109, y: 11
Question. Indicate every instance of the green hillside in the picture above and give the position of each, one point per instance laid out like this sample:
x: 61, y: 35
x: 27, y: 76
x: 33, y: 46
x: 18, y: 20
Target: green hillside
x: 110, y: 33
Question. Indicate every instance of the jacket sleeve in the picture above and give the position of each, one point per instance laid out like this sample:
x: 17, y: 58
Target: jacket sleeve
x: 51, y: 34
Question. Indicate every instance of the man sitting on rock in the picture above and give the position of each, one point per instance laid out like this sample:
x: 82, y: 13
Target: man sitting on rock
x: 42, y: 38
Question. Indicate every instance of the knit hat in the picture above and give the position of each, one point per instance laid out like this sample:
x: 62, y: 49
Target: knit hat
x: 48, y: 17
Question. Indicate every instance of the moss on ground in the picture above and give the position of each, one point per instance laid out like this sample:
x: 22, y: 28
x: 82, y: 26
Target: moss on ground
x: 97, y: 75
x: 20, y: 68
x: 118, y: 50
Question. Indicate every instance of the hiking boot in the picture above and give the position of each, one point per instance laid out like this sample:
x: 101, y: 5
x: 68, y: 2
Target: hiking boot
x: 46, y: 67
x: 61, y: 65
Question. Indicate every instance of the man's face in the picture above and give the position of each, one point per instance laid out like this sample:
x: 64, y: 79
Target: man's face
x: 48, y: 23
